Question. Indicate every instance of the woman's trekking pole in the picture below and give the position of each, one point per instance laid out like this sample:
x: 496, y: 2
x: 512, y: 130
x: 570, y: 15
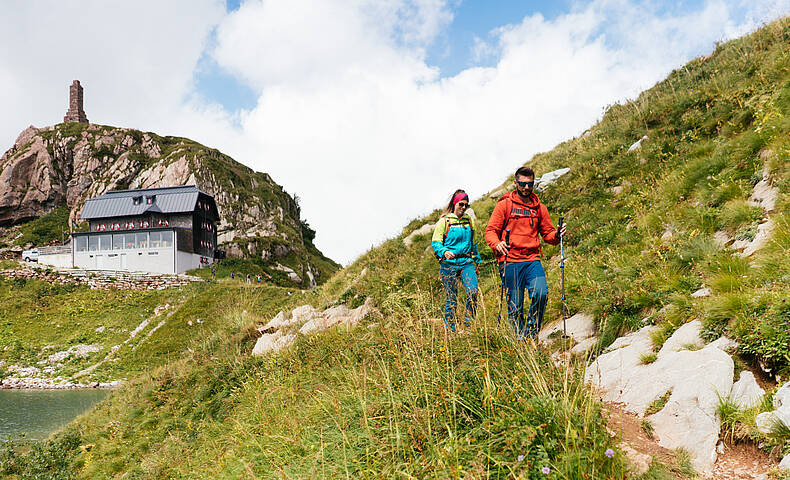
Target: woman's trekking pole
x: 562, y: 270
x: 502, y: 279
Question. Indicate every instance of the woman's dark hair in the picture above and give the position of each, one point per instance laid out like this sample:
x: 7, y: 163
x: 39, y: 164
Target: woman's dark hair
x: 525, y: 172
x: 449, y: 208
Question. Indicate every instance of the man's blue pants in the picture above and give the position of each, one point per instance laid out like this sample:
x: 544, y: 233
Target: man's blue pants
x: 450, y: 275
x: 518, y: 277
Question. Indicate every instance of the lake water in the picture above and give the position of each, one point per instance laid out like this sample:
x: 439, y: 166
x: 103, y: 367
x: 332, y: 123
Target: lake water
x: 37, y: 413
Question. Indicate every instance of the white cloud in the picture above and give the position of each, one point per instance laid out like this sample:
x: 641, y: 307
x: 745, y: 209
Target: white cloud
x: 349, y: 116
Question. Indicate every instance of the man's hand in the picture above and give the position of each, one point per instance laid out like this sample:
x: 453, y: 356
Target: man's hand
x: 563, y: 228
x: 449, y: 255
x: 502, y: 248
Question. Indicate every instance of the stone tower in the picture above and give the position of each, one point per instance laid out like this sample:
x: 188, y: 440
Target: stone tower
x: 75, y: 112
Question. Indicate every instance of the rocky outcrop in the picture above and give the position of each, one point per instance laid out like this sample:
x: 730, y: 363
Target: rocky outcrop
x: 282, y: 330
x: 690, y: 381
x: 69, y: 163
x: 767, y: 421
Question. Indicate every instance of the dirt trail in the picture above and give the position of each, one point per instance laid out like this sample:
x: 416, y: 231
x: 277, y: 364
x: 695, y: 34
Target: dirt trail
x: 739, y: 461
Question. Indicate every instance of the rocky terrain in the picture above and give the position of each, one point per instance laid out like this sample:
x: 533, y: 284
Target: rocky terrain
x: 67, y: 164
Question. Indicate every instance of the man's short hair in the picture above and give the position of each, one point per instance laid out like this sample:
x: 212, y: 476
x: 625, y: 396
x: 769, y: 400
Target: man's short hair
x: 525, y: 172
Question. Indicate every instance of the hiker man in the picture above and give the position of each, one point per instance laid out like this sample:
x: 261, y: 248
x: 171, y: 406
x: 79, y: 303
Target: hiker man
x: 522, y: 213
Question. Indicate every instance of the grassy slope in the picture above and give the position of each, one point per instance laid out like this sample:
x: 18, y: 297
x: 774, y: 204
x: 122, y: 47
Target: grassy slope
x: 60, y: 316
x: 403, y: 400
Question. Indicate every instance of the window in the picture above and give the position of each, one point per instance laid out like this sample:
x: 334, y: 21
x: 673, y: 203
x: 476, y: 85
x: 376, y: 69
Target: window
x: 137, y: 200
x: 142, y: 240
x: 156, y: 239
x: 149, y: 200
x: 82, y: 244
x: 167, y: 238
x: 93, y: 243
x: 117, y: 242
x: 105, y: 242
x: 129, y: 240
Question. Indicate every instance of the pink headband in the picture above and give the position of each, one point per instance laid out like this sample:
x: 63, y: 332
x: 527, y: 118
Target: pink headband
x: 460, y: 196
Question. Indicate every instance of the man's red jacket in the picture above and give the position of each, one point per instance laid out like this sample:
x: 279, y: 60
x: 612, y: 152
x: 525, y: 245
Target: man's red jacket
x: 525, y: 220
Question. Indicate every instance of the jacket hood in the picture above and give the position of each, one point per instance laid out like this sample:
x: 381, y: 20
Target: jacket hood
x: 533, y: 202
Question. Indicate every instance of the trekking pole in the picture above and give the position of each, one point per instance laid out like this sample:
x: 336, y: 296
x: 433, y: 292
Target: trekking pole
x: 562, y: 270
x: 502, y: 279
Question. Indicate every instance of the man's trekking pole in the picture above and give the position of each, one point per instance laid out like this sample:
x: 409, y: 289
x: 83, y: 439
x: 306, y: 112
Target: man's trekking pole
x: 502, y: 279
x: 562, y: 270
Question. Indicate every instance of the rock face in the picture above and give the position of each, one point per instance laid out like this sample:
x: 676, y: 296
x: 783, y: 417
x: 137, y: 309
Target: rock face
x: 71, y: 162
x: 425, y: 229
x: 692, y: 379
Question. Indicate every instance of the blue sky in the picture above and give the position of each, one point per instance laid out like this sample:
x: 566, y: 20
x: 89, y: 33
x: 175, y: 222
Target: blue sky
x: 347, y: 102
x: 451, y: 51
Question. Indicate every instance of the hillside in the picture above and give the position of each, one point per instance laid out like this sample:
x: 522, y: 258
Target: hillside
x: 398, y: 397
x: 47, y: 175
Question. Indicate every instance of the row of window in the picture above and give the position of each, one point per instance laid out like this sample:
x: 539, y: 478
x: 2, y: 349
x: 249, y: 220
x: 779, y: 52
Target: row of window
x: 207, y: 226
x: 124, y: 241
x: 206, y: 244
x: 131, y: 225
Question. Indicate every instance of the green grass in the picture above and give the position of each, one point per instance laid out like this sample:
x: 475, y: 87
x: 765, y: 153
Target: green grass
x: 659, y: 403
x: 52, y: 228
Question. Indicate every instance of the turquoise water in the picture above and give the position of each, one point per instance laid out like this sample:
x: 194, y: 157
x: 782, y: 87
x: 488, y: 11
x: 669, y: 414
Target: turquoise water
x: 34, y: 414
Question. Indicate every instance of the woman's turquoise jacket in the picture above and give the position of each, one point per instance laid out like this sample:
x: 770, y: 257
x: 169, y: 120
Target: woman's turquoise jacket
x: 455, y: 235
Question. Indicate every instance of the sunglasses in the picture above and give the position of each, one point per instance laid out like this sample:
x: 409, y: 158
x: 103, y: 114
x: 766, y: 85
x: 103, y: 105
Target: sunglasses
x: 526, y: 184
x: 462, y: 204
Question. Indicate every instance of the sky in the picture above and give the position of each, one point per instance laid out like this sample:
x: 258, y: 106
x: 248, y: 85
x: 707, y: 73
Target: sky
x: 372, y: 112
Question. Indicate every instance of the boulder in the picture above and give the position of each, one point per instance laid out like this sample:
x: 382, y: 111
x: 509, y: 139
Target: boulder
x: 580, y: 326
x: 745, y: 392
x: 338, y: 315
x: 638, y: 144
x: 782, y: 397
x: 548, y: 179
x: 638, y: 463
x: 425, y: 229
x: 584, y: 345
x: 702, y: 292
x: 785, y: 463
x: 273, y: 342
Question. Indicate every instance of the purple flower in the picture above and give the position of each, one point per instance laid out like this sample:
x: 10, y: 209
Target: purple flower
x: 546, y: 470
x: 609, y: 453
x: 521, y: 458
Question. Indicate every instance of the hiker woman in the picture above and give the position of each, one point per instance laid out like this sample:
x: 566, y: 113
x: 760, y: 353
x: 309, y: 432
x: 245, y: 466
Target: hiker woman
x: 454, y: 246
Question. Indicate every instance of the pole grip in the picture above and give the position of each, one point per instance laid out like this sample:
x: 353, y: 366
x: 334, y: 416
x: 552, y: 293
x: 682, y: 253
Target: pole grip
x: 507, y: 237
x: 559, y: 225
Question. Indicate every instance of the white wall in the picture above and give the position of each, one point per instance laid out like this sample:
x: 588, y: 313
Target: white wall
x: 188, y: 261
x: 154, y: 260
x: 59, y: 260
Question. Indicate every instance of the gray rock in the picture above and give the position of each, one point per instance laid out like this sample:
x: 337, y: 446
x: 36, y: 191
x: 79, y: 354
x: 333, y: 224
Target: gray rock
x: 695, y: 378
x: 745, y: 392
x: 638, y: 463
x: 584, y: 346
x: 273, y: 342
x: 638, y: 144
x: 702, y: 292
x: 684, y: 337
x: 782, y: 397
x: 580, y: 326
x: 425, y: 229
x: 550, y: 178
x: 785, y: 463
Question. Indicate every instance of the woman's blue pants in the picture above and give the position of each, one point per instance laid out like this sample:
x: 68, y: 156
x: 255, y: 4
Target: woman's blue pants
x: 450, y: 275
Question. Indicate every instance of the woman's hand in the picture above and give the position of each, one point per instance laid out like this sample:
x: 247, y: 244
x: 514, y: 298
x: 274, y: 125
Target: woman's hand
x: 449, y: 255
